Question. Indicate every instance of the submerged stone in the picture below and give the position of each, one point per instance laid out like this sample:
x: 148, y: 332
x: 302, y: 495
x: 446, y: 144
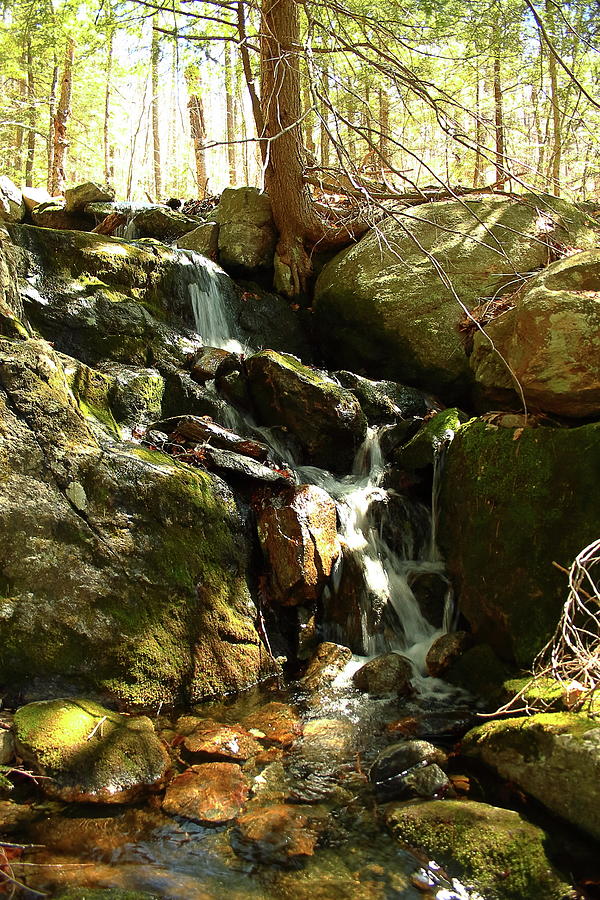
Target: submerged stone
x: 211, y: 794
x: 276, y: 722
x: 89, y: 753
x: 408, y: 769
x: 325, y: 418
x: 219, y: 741
x: 282, y: 835
x: 496, y: 849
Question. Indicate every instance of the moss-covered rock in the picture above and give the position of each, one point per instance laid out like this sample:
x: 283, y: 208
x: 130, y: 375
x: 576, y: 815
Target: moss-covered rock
x: 389, y: 303
x: 325, y: 418
x: 247, y: 233
x: 93, y: 391
x: 420, y: 451
x: 118, y: 566
x: 555, y: 757
x: 87, y: 893
x: 550, y: 340
x: 513, y: 502
x: 88, y: 753
x: 385, y: 401
x: 496, y: 849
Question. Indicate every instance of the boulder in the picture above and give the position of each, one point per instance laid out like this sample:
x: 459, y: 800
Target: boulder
x: 297, y: 529
x: 90, y: 754
x: 203, y: 240
x: 76, y: 198
x: 206, y: 363
x: 136, y: 395
x: 390, y: 673
x: 281, y: 835
x: 182, y: 396
x: 93, y: 391
x: 550, y: 340
x: 409, y: 769
x: 435, y: 434
x: 211, y: 794
x: 12, y: 206
x: 119, y: 567
x: 445, y: 650
x: 238, y: 469
x: 7, y: 748
x: 52, y: 214
x: 554, y: 757
x: 32, y: 197
x: 385, y: 306
x: 327, y: 663
x: 325, y: 418
x: 501, y: 854
x: 385, y: 401
x: 162, y: 223
x: 192, y: 430
x: 513, y: 502
x: 247, y: 235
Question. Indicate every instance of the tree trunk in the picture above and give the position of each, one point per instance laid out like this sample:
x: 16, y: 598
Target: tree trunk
x: 198, y: 127
x: 230, y: 116
x: 325, y: 140
x: 478, y: 170
x: 249, y: 78
x: 109, y: 61
x: 31, y: 117
x: 51, y: 116
x: 555, y: 155
x: 20, y: 132
x: 384, y: 127
x: 501, y: 176
x: 156, y: 161
x: 63, y: 111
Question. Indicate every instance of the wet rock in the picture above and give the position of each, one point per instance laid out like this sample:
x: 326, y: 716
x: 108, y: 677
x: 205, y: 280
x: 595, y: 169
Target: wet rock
x: 204, y: 240
x: 401, y: 771
x: 220, y: 741
x: 211, y: 794
x: 76, y: 198
x: 89, y: 753
x: 247, y: 234
x: 479, y: 671
x: 327, y: 663
x: 554, y: 757
x: 53, y: 214
x: 12, y: 207
x: 183, y: 396
x: 420, y: 451
x: 195, y: 430
x: 136, y: 396
x: 430, y: 590
x: 390, y: 673
x: 237, y: 468
x: 276, y: 722
x: 326, y: 419
x: 93, y: 390
x: 267, y: 319
x: 442, y: 727
x: 281, y: 835
x: 445, y: 650
x: 508, y: 589
x: 549, y: 341
x: 385, y: 401
x: 232, y: 383
x: 91, y: 893
x: 162, y: 223
x: 381, y: 304
x: 7, y: 747
x: 342, y: 617
x: 14, y: 816
x: 496, y: 850
x: 297, y: 529
x: 206, y: 363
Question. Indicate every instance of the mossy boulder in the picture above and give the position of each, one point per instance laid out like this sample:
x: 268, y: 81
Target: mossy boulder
x: 88, y: 753
x: 247, y: 235
x: 93, y: 391
x: 385, y: 401
x: 554, y: 757
x: 421, y: 450
x: 550, y: 340
x: 162, y: 222
x: 391, y: 304
x: 203, y: 240
x: 496, y: 850
x: 513, y: 502
x: 326, y: 419
x: 118, y: 566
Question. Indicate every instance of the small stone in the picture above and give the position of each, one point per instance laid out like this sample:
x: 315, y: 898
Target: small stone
x: 278, y: 723
x: 221, y: 741
x: 281, y: 835
x: 400, y: 771
x: 387, y: 674
x: 206, y: 363
x: 76, y: 495
x: 211, y: 794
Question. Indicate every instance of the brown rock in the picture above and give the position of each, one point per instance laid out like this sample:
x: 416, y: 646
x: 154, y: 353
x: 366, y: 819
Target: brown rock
x: 201, y: 429
x: 211, y: 794
x: 298, y: 535
x: 326, y: 665
x: 281, y: 834
x: 221, y: 741
x: 277, y: 722
x: 387, y: 674
x: 445, y: 650
x: 13, y: 816
x: 206, y: 363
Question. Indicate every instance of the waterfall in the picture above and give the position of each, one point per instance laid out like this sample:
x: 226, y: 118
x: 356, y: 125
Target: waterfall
x: 390, y: 617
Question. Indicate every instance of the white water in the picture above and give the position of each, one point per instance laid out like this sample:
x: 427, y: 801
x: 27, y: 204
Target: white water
x: 386, y: 573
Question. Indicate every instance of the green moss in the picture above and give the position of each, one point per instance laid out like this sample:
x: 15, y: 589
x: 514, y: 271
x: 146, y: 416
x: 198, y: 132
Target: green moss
x: 524, y: 735
x: 421, y: 450
x: 494, y: 848
x: 86, y: 893
x: 535, y: 693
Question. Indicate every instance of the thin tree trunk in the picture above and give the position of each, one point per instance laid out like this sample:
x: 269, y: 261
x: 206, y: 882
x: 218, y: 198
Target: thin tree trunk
x: 501, y: 176
x: 384, y: 127
x: 198, y: 127
x: 257, y: 112
x: 309, y: 135
x: 555, y: 156
x: 61, y: 119
x: 325, y: 139
x: 478, y: 170
x: 230, y: 116
x: 107, y: 98
x: 31, y: 117
x: 51, y: 116
x: 541, y: 143
x: 156, y: 160
x: 20, y: 132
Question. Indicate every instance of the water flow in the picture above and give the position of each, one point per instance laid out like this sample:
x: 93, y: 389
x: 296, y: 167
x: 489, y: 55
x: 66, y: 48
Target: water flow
x: 212, y: 318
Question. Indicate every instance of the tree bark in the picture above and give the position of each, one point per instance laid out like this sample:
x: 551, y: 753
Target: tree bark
x: 477, y: 172
x: 325, y: 140
x: 556, y: 153
x: 109, y: 61
x: 230, y: 116
x: 31, y: 117
x: 61, y: 119
x: 156, y: 160
x: 51, y: 117
x: 198, y: 127
x: 500, y: 157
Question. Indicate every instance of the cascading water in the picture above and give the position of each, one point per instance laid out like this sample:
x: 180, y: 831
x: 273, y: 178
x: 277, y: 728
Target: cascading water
x: 390, y: 616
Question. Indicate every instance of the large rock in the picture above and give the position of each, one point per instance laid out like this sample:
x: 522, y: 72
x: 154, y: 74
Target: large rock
x: 247, y: 234
x: 389, y: 673
x: 281, y: 835
x: 298, y: 535
x: 203, y: 240
x: 76, y: 198
x: 514, y: 501
x: 497, y: 850
x: 550, y: 340
x: 53, y: 214
x: 12, y: 206
x: 88, y: 753
x: 325, y: 418
x: 119, y: 567
x: 162, y: 222
x: 555, y: 757
x: 211, y: 794
x: 390, y: 303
